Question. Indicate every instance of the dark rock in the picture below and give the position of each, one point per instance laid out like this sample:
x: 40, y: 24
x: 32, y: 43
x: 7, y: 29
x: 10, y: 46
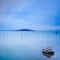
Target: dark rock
x: 48, y: 52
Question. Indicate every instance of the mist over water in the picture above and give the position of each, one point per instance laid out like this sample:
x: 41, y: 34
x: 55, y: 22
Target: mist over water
x: 27, y: 45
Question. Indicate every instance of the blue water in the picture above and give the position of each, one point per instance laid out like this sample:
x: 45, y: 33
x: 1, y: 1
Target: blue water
x: 17, y: 45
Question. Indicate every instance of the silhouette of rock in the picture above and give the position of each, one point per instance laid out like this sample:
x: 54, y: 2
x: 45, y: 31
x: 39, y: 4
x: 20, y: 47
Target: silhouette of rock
x: 24, y: 30
x: 56, y: 32
x: 48, y: 52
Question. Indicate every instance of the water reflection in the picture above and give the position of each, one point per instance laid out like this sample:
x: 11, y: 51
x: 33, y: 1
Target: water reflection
x: 26, y: 45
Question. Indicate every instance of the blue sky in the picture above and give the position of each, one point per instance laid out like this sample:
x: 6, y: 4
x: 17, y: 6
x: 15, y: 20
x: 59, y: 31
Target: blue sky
x: 33, y: 14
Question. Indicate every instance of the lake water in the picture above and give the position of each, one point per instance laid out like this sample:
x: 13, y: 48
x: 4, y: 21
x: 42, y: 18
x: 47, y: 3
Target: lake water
x: 20, y: 45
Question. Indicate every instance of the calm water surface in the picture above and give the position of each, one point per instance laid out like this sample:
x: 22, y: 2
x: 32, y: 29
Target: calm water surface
x: 17, y: 45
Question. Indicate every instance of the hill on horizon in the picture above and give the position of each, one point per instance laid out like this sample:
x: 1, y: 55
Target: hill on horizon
x: 24, y: 30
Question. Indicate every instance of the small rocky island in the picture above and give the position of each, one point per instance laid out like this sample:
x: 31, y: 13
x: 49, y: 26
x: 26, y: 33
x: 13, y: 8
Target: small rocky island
x: 24, y: 30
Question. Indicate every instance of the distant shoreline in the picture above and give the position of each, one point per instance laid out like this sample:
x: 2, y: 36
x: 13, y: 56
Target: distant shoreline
x: 33, y: 30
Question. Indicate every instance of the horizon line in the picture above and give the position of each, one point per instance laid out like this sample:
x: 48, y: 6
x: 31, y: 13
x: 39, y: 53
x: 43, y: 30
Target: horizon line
x: 47, y: 28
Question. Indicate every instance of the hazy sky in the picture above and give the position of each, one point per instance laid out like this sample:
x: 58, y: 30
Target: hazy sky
x: 33, y: 14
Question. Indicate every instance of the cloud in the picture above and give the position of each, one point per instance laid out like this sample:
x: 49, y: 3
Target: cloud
x: 13, y: 5
x: 28, y: 14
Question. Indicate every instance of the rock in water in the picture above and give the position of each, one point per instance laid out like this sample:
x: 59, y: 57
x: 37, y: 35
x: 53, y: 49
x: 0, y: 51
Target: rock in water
x: 48, y: 52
